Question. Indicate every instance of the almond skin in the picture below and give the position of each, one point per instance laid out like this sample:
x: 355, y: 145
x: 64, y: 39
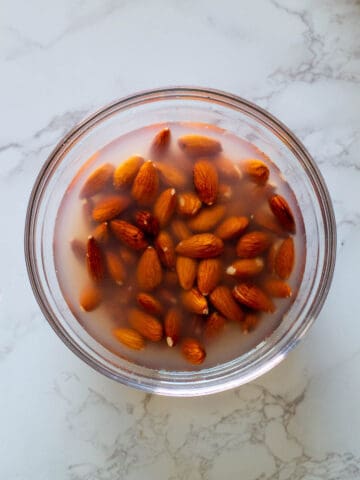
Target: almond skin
x: 126, y: 172
x: 186, y: 270
x: 207, y: 218
x: 227, y: 169
x: 132, y: 236
x: 147, y: 325
x: 101, y: 233
x: 277, y: 288
x: 253, y: 297
x: 195, y: 302
x: 214, y: 325
x: 130, y: 338
x: 115, y: 267
x: 165, y: 206
x: 180, y: 230
x: 149, y: 303
x: 90, y: 298
x: 146, y: 184
x: 160, y: 144
x: 166, y: 250
x: 253, y: 244
x: 203, y: 245
x: 193, y: 351
x: 97, y: 180
x: 172, y: 176
x: 246, y: 268
x: 79, y: 248
x: 206, y: 181
x: 110, y: 207
x: 285, y: 258
x: 232, y: 227
x: 282, y: 212
x: 257, y: 170
x: 172, y: 326
x: 95, y: 260
x: 223, y: 301
x: 209, y: 275
x: 147, y: 222
x: 199, y: 145
x: 188, y: 204
x: 149, y: 271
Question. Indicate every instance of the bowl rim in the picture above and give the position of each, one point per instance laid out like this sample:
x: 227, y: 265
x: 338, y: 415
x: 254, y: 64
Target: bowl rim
x: 260, y: 115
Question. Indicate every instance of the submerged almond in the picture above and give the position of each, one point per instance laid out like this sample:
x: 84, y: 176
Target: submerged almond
x: 149, y: 271
x: 214, y: 325
x: 146, y: 184
x: 165, y: 247
x: 207, y: 218
x: 147, y: 325
x: 95, y: 259
x: 224, y: 302
x: 250, y: 322
x: 195, y: 302
x: 172, y: 326
x: 282, y: 212
x: 130, y: 338
x: 165, y: 206
x: 277, y: 288
x: 285, y: 258
x: 180, y: 230
x: 199, y: 145
x: 115, y: 267
x: 102, y: 233
x: 132, y: 236
x: 257, y: 170
x: 253, y: 244
x: 203, y: 245
x: 193, y: 351
x: 253, y: 297
x: 97, y: 180
x: 172, y: 176
x: 209, y: 275
x: 147, y: 222
x: 227, y: 169
x: 188, y: 204
x: 149, y: 303
x: 245, y: 268
x: 186, y: 271
x: 206, y: 181
x: 126, y: 172
x: 232, y: 227
x: 161, y: 142
x: 90, y: 298
x: 110, y: 207
x: 79, y: 248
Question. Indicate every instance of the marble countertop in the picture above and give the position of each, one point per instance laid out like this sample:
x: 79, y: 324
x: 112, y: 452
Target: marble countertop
x: 62, y: 60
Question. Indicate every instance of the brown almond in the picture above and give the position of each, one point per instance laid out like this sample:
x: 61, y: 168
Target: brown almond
x: 115, y: 267
x: 132, y: 236
x: 166, y: 250
x: 214, y: 325
x: 253, y: 297
x: 188, y: 204
x: 193, y: 351
x: 282, y: 212
x: 147, y: 325
x: 147, y: 222
x: 165, y: 206
x: 223, y: 301
x: 149, y: 303
x: 232, y: 227
x: 195, y: 302
x: 172, y: 326
x: 209, y: 275
x: 199, y: 145
x: 227, y: 169
x: 127, y: 256
x: 207, y: 218
x: 101, y: 233
x: 203, y: 245
x: 271, y: 256
x: 250, y: 322
x: 285, y: 258
x: 186, y: 271
x: 79, y: 248
x: 206, y: 181
x: 196, y: 325
x: 225, y: 193
x: 265, y: 218
x: 146, y: 184
x: 161, y: 142
x: 180, y: 230
x: 130, y: 338
x: 126, y: 172
x: 167, y: 297
x: 170, y: 278
x: 246, y: 268
x: 256, y: 169
x: 97, y: 180
x: 110, y: 207
x: 277, y: 288
x: 172, y: 176
x: 95, y: 261
x: 149, y: 271
x: 90, y: 298
x: 253, y: 244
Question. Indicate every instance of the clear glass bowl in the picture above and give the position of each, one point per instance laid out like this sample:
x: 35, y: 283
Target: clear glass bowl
x: 243, y: 119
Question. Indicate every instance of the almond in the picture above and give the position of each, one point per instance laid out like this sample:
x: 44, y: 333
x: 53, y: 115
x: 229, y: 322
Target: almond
x: 115, y: 267
x: 149, y: 271
x: 195, y: 302
x: 264, y: 218
x: 110, y: 207
x: 253, y: 244
x: 277, y: 288
x: 225, y: 192
x: 232, y: 227
x: 214, y: 325
x: 126, y: 172
x: 206, y: 181
x: 253, y: 297
x: 209, y: 275
x: 285, y: 258
x: 207, y: 218
x: 147, y: 222
x: 167, y: 297
x: 165, y: 247
x: 271, y: 256
x: 282, y: 212
x: 90, y: 298
x: 160, y: 144
x: 193, y: 351
x: 165, y: 206
x: 186, y: 270
x: 250, y: 322
x: 132, y: 236
x: 257, y: 170
x: 172, y: 176
x: 127, y: 256
x: 223, y: 301
x: 203, y: 245
x: 196, y: 325
x: 87, y: 208
x: 180, y: 230
x: 172, y: 326
x: 130, y: 338
x: 146, y: 184
x: 246, y: 268
x: 101, y: 233
x: 188, y: 204
x: 227, y: 169
x: 97, y: 180
x: 95, y: 260
x: 170, y: 278
x: 149, y: 303
x: 79, y: 249
x: 199, y: 145
x: 147, y: 325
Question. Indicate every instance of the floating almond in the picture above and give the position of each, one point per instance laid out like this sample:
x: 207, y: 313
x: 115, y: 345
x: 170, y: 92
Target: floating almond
x: 101, y: 233
x: 195, y: 302
x: 90, y: 298
x: 246, y: 268
x: 147, y: 325
x: 95, y: 261
x: 209, y: 275
x: 172, y: 326
x: 110, y: 207
x: 165, y: 206
x: 285, y: 258
x: 257, y: 170
x: 97, y: 180
x: 223, y: 301
x: 253, y: 297
x: 207, y: 218
x: 282, y: 212
x: 232, y: 227
x: 147, y: 222
x: 160, y: 144
x: 115, y: 267
x: 172, y: 176
x: 193, y: 351
x: 203, y: 245
x: 214, y: 325
x: 277, y: 288
x: 146, y: 184
x: 186, y: 270
x: 188, y: 203
x: 180, y: 230
x: 126, y: 172
x: 166, y: 250
x: 149, y: 271
x: 250, y: 322
x: 225, y: 193
x: 130, y: 338
x: 253, y: 244
x: 79, y: 248
x: 149, y: 303
x: 206, y: 181
x: 132, y: 236
x: 199, y: 145
x: 227, y: 169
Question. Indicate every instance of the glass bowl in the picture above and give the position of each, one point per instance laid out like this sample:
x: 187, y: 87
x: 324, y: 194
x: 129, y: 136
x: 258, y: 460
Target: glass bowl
x: 183, y: 104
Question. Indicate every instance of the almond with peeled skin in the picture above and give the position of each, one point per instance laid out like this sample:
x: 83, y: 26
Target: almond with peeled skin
x: 227, y: 169
x: 110, y: 207
x: 90, y: 298
x: 214, y: 325
x: 282, y: 212
x: 160, y: 144
x: 166, y: 250
x: 253, y: 297
x: 188, y: 204
x: 193, y: 351
x: 223, y: 301
x: 149, y: 271
x: 130, y: 338
x: 253, y: 244
x: 203, y: 245
x: 285, y: 258
x: 149, y: 303
x: 101, y: 233
x: 172, y: 326
x: 126, y: 172
x: 232, y: 227
x: 132, y: 236
x: 97, y: 180
x: 115, y: 267
x: 277, y: 288
x: 195, y: 302
x: 180, y: 230
x: 165, y: 206
x: 207, y: 218
x: 257, y: 170
x: 95, y: 260
x: 199, y: 145
x: 146, y: 184
x: 186, y: 271
x: 147, y: 222
x: 172, y: 176
x: 209, y: 275
x: 206, y: 181
x: 147, y: 325
x: 246, y: 268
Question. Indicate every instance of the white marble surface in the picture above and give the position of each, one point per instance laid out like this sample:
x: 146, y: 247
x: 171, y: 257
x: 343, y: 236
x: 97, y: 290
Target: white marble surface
x: 60, y: 60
